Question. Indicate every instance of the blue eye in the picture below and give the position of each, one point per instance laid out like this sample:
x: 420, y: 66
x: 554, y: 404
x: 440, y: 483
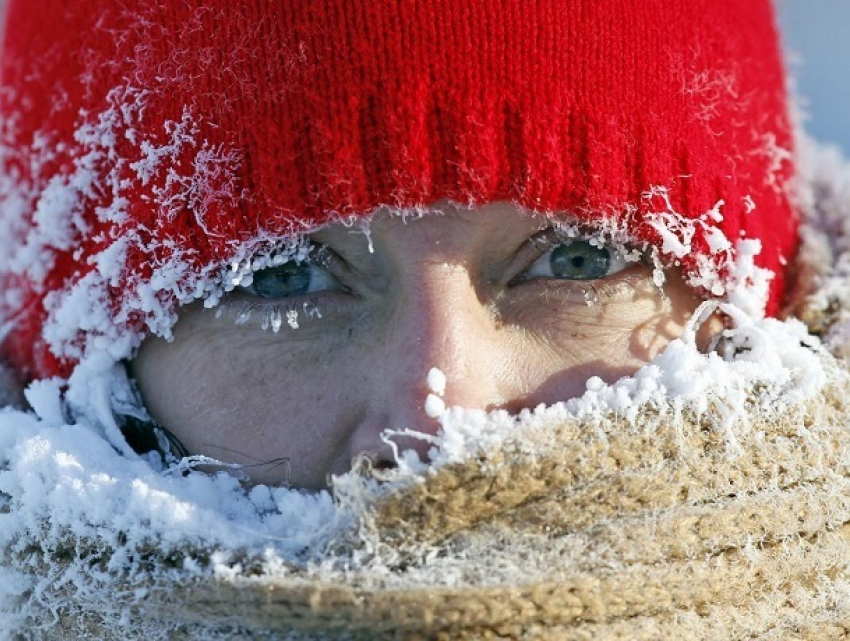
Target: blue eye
x: 576, y: 260
x: 290, y: 280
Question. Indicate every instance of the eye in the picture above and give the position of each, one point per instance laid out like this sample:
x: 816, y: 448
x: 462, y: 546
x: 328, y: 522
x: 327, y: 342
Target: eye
x: 576, y: 260
x: 290, y: 280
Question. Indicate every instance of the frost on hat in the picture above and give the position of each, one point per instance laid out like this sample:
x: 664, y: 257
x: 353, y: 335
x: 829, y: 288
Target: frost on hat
x: 147, y: 151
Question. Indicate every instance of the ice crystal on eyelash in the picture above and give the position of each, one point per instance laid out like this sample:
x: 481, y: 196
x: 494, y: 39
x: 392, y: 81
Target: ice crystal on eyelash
x: 273, y: 315
x: 609, y: 232
x: 277, y: 319
x: 591, y: 296
x: 261, y: 253
x: 311, y: 310
x: 273, y: 319
x: 292, y: 318
x: 244, y: 315
x: 365, y: 228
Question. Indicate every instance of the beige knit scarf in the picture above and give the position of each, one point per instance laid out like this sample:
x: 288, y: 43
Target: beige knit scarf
x: 610, y: 530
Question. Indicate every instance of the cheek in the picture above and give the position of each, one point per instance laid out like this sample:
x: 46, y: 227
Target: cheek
x: 562, y: 345
x: 246, y: 396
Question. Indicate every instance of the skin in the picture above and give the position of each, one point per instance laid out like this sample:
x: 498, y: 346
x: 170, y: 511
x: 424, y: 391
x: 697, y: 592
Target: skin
x: 463, y: 291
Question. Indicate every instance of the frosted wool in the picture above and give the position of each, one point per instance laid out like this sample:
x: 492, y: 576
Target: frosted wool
x: 100, y: 171
x: 728, y: 271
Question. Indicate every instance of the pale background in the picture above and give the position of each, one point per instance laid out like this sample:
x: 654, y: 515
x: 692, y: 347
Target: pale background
x: 817, y: 38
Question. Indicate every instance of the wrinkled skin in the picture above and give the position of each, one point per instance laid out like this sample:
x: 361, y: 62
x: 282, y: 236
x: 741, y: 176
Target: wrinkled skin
x: 470, y: 292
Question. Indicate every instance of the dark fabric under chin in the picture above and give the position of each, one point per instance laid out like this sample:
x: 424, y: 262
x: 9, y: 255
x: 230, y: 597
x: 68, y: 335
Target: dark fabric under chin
x: 11, y: 391
x: 148, y: 436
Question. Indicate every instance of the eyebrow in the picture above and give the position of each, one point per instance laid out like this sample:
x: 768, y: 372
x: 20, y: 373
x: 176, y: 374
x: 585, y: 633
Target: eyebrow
x: 354, y: 243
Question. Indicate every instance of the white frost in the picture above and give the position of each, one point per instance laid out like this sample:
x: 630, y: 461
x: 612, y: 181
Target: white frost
x: 436, y: 381
x: 434, y: 406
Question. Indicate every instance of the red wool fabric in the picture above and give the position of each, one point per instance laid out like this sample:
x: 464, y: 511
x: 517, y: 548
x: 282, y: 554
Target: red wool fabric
x: 335, y: 107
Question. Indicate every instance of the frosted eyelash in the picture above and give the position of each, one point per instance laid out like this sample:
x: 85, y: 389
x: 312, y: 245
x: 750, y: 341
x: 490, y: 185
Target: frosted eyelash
x: 593, y: 294
x: 617, y: 238
x: 599, y: 294
x: 601, y: 238
x: 274, y: 315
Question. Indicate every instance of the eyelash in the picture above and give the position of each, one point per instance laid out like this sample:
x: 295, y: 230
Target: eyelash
x: 598, y: 294
x: 292, y: 311
x: 274, y: 314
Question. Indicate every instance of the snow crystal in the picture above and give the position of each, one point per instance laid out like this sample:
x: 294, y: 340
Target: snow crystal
x: 292, y: 319
x: 100, y: 171
x: 728, y: 271
x: 70, y: 477
x: 436, y: 381
x: 434, y: 406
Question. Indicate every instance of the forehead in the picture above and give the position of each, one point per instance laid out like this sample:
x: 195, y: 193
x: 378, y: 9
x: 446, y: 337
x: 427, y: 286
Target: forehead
x: 443, y: 225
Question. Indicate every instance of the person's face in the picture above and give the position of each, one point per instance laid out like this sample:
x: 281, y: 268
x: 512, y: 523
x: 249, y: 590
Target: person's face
x: 496, y: 300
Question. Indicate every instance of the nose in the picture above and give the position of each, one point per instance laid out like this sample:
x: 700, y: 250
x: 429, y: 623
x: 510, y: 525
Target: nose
x: 438, y: 325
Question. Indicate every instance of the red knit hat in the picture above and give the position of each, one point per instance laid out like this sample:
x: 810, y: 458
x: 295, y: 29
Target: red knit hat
x: 145, y: 150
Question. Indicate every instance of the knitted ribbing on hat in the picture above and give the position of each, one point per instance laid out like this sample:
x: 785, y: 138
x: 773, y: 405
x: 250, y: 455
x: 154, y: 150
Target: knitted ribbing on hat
x: 148, y: 150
